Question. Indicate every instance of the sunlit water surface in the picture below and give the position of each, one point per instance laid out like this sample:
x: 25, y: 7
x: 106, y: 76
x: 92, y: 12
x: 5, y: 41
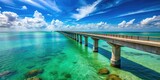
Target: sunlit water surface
x: 59, y: 56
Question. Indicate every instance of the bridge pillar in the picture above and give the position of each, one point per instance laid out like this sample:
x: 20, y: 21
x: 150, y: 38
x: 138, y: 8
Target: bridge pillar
x: 80, y: 40
x: 77, y: 37
x: 69, y: 35
x: 74, y: 36
x: 115, y: 58
x: 95, y: 45
x: 86, y: 40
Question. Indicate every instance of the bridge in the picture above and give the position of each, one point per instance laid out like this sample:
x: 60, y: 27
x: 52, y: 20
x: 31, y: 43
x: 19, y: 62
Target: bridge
x: 147, y: 44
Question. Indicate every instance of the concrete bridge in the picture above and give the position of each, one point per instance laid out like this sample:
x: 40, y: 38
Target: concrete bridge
x: 117, y: 41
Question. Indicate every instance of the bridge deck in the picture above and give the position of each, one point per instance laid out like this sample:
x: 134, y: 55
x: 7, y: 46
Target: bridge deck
x: 138, y: 41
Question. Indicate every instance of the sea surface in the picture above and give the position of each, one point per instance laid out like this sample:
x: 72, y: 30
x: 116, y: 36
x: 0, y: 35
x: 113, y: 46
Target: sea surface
x: 61, y: 58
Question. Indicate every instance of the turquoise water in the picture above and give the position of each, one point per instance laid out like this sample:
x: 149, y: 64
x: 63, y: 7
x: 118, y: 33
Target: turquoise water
x: 59, y: 56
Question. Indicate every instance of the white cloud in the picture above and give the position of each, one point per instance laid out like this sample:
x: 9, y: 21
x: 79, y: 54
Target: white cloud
x: 3, y: 20
x: 33, y: 3
x: 92, y: 26
x: 12, y: 21
x: 86, y: 10
x: 154, y: 8
x: 11, y: 16
x: 148, y: 20
x: 56, y: 25
x: 50, y: 4
x: 130, y: 22
x: 152, y: 21
x: 49, y: 15
x: 43, y: 4
x: 38, y: 15
x: 37, y: 22
x: 126, y: 24
x: 0, y: 7
x: 147, y: 24
x: 7, y: 19
x: 8, y: 2
x: 24, y: 8
x: 59, y: 25
x: 122, y: 24
x: 16, y: 8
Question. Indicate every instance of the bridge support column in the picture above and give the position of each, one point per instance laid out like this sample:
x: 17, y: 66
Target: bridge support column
x: 77, y: 37
x: 115, y: 58
x: 95, y: 45
x: 86, y: 40
x: 70, y: 35
x: 74, y: 36
x: 80, y: 40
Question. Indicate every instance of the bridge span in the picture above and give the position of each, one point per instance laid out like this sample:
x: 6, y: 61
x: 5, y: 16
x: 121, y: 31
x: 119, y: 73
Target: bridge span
x: 117, y: 41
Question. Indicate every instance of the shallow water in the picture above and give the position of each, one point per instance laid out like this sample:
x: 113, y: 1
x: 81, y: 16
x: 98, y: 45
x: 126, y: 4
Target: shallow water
x: 60, y: 56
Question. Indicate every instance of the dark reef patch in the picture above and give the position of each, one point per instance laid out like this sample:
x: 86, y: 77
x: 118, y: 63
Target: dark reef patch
x: 113, y: 77
x: 54, y: 73
x: 34, y: 72
x: 29, y: 67
x: 103, y: 71
x: 7, y: 73
x: 158, y: 58
x: 68, y: 75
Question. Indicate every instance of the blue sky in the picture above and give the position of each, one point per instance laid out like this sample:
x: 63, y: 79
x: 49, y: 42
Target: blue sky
x: 113, y: 15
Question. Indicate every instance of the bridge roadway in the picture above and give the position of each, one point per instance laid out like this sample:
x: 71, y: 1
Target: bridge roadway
x: 117, y: 41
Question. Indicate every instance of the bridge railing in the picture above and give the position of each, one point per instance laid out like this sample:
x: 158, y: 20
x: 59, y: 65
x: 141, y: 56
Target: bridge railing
x: 147, y: 38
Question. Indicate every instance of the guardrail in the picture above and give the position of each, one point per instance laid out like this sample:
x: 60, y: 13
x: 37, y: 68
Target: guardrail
x: 147, y: 38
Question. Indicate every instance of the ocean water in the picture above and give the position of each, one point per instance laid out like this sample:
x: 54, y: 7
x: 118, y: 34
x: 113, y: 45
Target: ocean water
x: 62, y: 58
